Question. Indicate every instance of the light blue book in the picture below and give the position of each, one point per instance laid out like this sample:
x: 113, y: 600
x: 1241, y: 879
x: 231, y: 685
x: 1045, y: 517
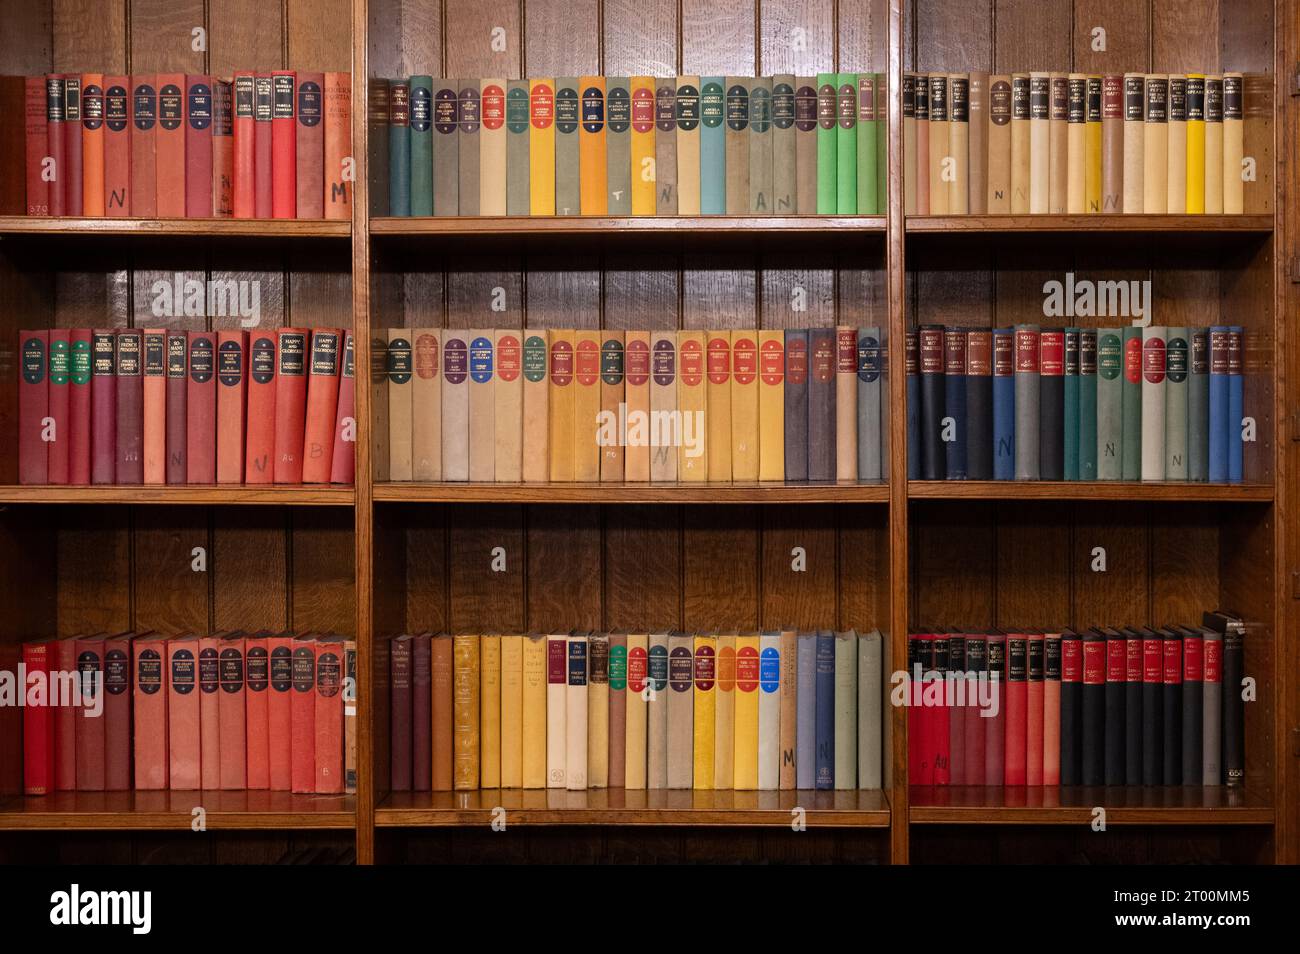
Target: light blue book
x: 805, y: 746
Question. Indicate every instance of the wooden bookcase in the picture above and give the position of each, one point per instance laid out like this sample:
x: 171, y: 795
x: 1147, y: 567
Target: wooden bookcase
x: 393, y: 557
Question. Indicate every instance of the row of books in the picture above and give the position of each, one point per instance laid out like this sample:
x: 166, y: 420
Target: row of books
x: 171, y: 145
x: 765, y: 711
x: 1058, y: 143
x: 607, y: 405
x: 640, y: 145
x: 1026, y: 403
x: 147, y: 711
x: 1127, y: 706
x: 164, y: 406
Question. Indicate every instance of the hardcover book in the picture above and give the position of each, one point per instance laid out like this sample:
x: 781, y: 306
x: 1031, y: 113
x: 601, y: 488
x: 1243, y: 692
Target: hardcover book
x: 492, y: 136
x: 482, y: 417
x: 561, y: 403
x: 232, y: 403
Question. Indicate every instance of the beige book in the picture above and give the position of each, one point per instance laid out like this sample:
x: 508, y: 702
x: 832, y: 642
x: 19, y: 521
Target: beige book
x: 681, y: 710
x: 688, y: 145
x: 1234, y: 143
x: 586, y: 405
x: 789, y: 707
x: 909, y: 144
x: 482, y: 409
x: 939, y: 143
x: 508, y: 409
x: 663, y: 403
x: 465, y: 713
x: 846, y: 403
x: 717, y: 438
x: 692, y: 454
x: 490, y: 711
x: 999, y: 139
x: 1213, y: 145
x: 562, y: 401
x: 610, y: 434
x: 535, y: 465
x: 1021, y: 170
x: 426, y: 405
x: 724, y: 713
x: 771, y: 404
x: 399, y: 404
x: 958, y: 145
x: 455, y: 404
x: 1076, y: 121
x: 744, y: 404
x: 492, y: 148
x: 533, y: 757
x: 1040, y: 142
x: 512, y: 711
x: 1176, y: 186
x: 1135, y: 98
x: 1058, y: 145
x: 557, y: 690
x: 635, y: 723
x: 978, y: 145
x: 1155, y: 145
x: 598, y: 710
x: 575, y: 715
x: 636, y: 394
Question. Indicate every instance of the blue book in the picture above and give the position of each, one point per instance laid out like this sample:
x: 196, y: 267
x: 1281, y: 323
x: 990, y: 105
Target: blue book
x: 1236, y: 358
x: 805, y: 747
x: 1004, y: 404
x: 1071, y: 404
x: 1219, y: 347
x: 713, y: 145
x: 954, y: 402
x: 825, y: 691
x: 912, y: 377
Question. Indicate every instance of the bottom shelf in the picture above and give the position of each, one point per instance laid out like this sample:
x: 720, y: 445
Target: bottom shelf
x: 148, y: 811
x: 1074, y: 805
x: 864, y: 808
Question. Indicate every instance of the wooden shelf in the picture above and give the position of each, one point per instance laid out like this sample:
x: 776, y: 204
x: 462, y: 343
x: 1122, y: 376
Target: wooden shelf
x: 1086, y: 490
x: 201, y: 228
x: 1101, y: 224
x: 1074, y: 805
x: 147, y: 811
x: 615, y: 806
x: 215, y: 495
x: 661, y: 493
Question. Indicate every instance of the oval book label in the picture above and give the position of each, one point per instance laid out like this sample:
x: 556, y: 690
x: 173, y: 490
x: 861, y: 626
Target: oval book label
x: 183, y: 672
x: 209, y: 674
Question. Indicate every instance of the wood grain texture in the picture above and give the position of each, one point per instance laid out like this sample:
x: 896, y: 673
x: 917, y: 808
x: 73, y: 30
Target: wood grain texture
x: 1128, y: 37
x: 718, y: 37
x: 563, y: 38
x: 249, y: 569
x: 468, y: 24
x: 315, y: 41
x: 161, y: 32
x: 796, y: 37
x: 88, y: 34
x: 640, y: 38
x: 248, y: 35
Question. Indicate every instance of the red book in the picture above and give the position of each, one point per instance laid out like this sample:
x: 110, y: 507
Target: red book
x: 149, y: 711
x: 178, y: 347
x: 223, y: 149
x: 244, y: 161
x: 33, y: 408
x: 79, y: 408
x: 201, y: 412
x: 284, y: 148
x: 209, y: 712
x: 1034, y: 716
x: 91, y: 717
x: 72, y: 170
x: 972, y: 722
x: 1017, y: 701
x: 957, y: 709
x: 329, y: 715
x: 65, y: 715
x: 343, y: 459
x: 92, y: 144
x: 260, y: 445
x: 278, y: 718
x: 231, y: 713
x: 59, y: 376
x: 56, y: 145
x: 38, y: 724
x: 940, y: 753
x: 322, y: 405
x: 198, y: 146
x: 117, y: 146
x: 142, y: 159
x: 103, y: 406
x: 338, y: 146
x: 311, y: 146
x: 421, y: 713
x: 155, y: 406
x: 256, y: 710
x: 995, y: 726
x: 171, y: 145
x: 1052, y: 709
x: 302, y: 716
x: 290, y: 404
x: 38, y: 146
x: 920, y: 771
x: 232, y: 393
x: 130, y: 407
x: 117, y: 712
x: 184, y: 751
x: 263, y: 101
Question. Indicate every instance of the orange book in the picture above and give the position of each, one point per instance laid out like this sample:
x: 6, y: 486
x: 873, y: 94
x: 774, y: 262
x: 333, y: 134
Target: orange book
x: 117, y: 146
x: 170, y: 170
x: 593, y: 196
x: 231, y: 712
x: 149, y: 711
x: 302, y: 716
x: 259, y: 443
x: 322, y: 402
x: 232, y: 398
x: 92, y: 144
x: 183, y: 699
x: 155, y: 406
x: 256, y: 710
x: 209, y: 715
x: 338, y: 145
x: 279, y: 651
x: 142, y: 155
x: 329, y: 715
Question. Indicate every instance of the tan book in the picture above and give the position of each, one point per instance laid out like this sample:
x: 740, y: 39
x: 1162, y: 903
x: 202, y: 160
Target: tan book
x: 657, y: 713
x: 744, y: 404
x: 465, y: 713
x: 692, y: 454
x: 737, y: 143
x: 785, y: 172
x: 1058, y: 183
x: 999, y: 136
x: 939, y: 143
x: 575, y: 714
x: 663, y: 403
x: 610, y: 433
x: 717, y: 438
x: 958, y: 144
x: 909, y: 144
x: 426, y: 405
x: 512, y: 711
x: 789, y: 708
x: 1155, y: 145
x: 557, y: 690
x: 1234, y: 143
x: 636, y: 394
x: 455, y: 404
x: 1021, y: 144
x: 492, y: 148
x: 1135, y: 99
x: 978, y: 145
x: 490, y: 711
x: 1112, y: 144
x: 534, y: 711
x: 399, y: 404
x: 681, y: 710
x: 508, y: 406
x: 598, y: 710
x: 724, y: 713
x: 846, y: 403
x: 586, y: 405
x: 482, y: 406
x: 1176, y: 149
x: 760, y: 145
x: 1076, y: 122
x: 442, y: 710
x: 535, y: 465
x: 635, y: 722
x: 771, y: 404
x: 1213, y: 144
x: 1040, y: 142
x: 687, y: 106
x: 562, y: 401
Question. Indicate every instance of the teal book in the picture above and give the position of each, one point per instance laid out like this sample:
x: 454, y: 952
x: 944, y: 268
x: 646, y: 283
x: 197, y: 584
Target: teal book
x: 827, y: 188
x: 1087, y: 404
x: 399, y: 148
x: 518, y: 183
x: 713, y: 145
x: 618, y: 146
x: 421, y: 145
x: 868, y: 129
x: 846, y: 145
x: 1131, y: 457
x: 566, y: 146
x: 1071, y: 410
x: 1110, y: 404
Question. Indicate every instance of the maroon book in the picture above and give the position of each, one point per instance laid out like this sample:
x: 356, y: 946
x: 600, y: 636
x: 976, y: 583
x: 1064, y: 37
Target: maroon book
x: 33, y: 407
x: 421, y: 714
x: 103, y: 406
x: 56, y: 136
x: 201, y: 411
x: 72, y: 162
x: 130, y: 407
x: 399, y: 672
x: 117, y: 713
x: 177, y: 388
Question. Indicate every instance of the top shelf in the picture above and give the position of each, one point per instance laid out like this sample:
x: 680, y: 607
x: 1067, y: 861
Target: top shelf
x: 207, y: 228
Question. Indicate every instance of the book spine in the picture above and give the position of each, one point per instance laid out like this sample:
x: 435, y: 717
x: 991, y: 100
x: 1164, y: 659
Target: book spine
x: 278, y: 715
x: 1028, y: 394
x: 1153, y: 403
x: 1085, y: 418
x: 1112, y: 144
x: 1176, y: 404
x: 713, y: 145
x: 154, y: 388
x: 979, y: 404
x: 805, y: 148
x: 665, y: 164
x: 117, y: 146
x: 149, y: 714
x: 846, y: 143
x: 322, y: 404
x: 806, y: 710
x: 1155, y: 144
x: 198, y: 139
x: 1176, y: 184
x: 38, y: 741
x: 1017, y: 703
x: 641, y: 158
x: 597, y: 711
x: 170, y: 170
x: 745, y: 774
x: 469, y: 122
x: 796, y: 404
x: 1035, y: 718
x: 586, y: 405
x: 977, y: 145
x: 534, y: 463
x: 1234, y: 195
x: 541, y: 147
x: 302, y: 716
x: 1198, y: 407
x: 489, y: 696
x: 79, y: 406
x: 933, y: 455
x: 1076, y: 161
x: 995, y: 725
x: 1213, y: 145
x: 1217, y: 439
x: 785, y: 170
x: 635, y: 714
x: 91, y: 137
x: 692, y: 462
x: 1236, y: 356
x: 1093, y: 736
x: 724, y: 711
x: 975, y: 672
x: 557, y: 691
x: 223, y: 149
x: 342, y: 458
x: 482, y: 418
x: 910, y: 143
x: 399, y: 148
x: 142, y: 158
x: 681, y: 715
x: 257, y: 666
x: 612, y: 398
x: 920, y: 165
x: 309, y: 146
x: 1058, y: 144
x: 1004, y: 404
x: 686, y: 110
x: 868, y: 691
x: 284, y: 144
x: 824, y: 777
x: 789, y: 711
x: 1110, y: 399
x: 1134, y: 717
x: 1193, y: 705
x: 560, y: 399
x: 868, y: 411
x: 130, y: 408
x: 1051, y: 401
x: 103, y: 408
x: 827, y: 141
x: 507, y: 411
x: 1233, y: 743
x: 1131, y: 398
x: 419, y: 160
x: 1040, y: 161
x: 263, y: 145
x: 618, y: 146
x: 56, y: 141
x: 760, y: 145
x: 736, y: 145
x: 822, y: 426
x: 466, y: 710
x: 846, y: 403
x: 1051, y: 734
x: 244, y: 137
x: 1212, y: 708
x: 938, y: 128
x: 1022, y: 139
x: 1194, y: 158
x: 533, y: 723
x: 492, y: 177
x: 912, y: 382
x: 657, y: 712
x: 771, y: 405
x: 998, y: 194
x: 959, y: 145
x: 445, y: 145
x: 232, y: 402
x: 290, y: 404
x: 1172, y: 703
x: 1152, y: 708
x: 718, y: 404
x: 769, y: 711
x: 87, y: 745
x: 58, y: 377
x: 592, y: 147
x: 73, y: 160
x: 426, y: 405
x: 232, y: 709
x: 704, y: 708
x: 1093, y: 144
x: 845, y: 766
x: 954, y: 431
x: 1115, y: 692
x: 744, y: 405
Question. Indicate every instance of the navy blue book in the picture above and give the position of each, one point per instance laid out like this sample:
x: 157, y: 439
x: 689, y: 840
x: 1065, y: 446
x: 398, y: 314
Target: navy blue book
x: 825, y: 766
x: 913, y: 379
x: 954, y: 401
x: 933, y: 406
x: 1004, y: 404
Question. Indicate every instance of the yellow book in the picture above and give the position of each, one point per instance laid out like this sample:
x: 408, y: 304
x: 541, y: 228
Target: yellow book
x: 1092, y: 146
x: 1176, y: 183
x: 561, y: 400
x: 541, y: 146
x: 512, y: 711
x: 465, y: 713
x: 508, y: 410
x: 638, y: 659
x: 1234, y: 143
x: 746, y: 745
x: 534, y: 710
x: 744, y: 405
x: 663, y: 404
x: 717, y: 435
x: 643, y: 145
x: 1155, y: 145
x: 586, y: 405
x: 706, y: 653
x: 490, y: 711
x: 692, y: 457
x: 724, y: 715
x: 687, y: 107
x: 636, y: 395
x: 492, y: 147
x: 598, y: 710
x: 593, y: 197
x: 1195, y: 161
x: 771, y: 405
x: 1214, y: 145
x: 535, y: 459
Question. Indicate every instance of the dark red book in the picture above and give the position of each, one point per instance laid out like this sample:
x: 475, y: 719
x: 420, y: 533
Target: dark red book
x: 13, y: 149
x: 1017, y: 700
x: 71, y: 173
x: 322, y: 405
x: 171, y: 146
x: 421, y: 713
x: 117, y: 146
x: 263, y: 104
x: 311, y: 146
x: 232, y: 396
x: 995, y: 751
x: 79, y: 425
x: 278, y: 718
x: 60, y: 387
x: 56, y: 144
x: 919, y: 652
x: 245, y: 203
x: 38, y: 726
x: 142, y: 159
x: 401, y: 708
x: 130, y: 406
x: 149, y: 711
x: 38, y: 146
x: 284, y: 144
x: 231, y: 712
x: 198, y: 147
x: 329, y: 715
x: 259, y: 449
x: 939, y: 714
x: 343, y: 458
x: 89, y: 730
x: 302, y: 716
x: 65, y: 715
x: 33, y: 408
x: 155, y: 405
x: 957, y: 708
x: 210, y: 711
x: 201, y: 411
x: 257, y: 660
x: 290, y: 403
x: 117, y: 713
x: 178, y: 350
x: 103, y: 406
x: 184, y: 749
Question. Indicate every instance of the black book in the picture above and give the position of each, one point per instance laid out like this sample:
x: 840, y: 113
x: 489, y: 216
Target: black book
x: 979, y: 404
x: 1116, y: 696
x: 934, y: 460
x: 1193, y: 704
x: 1051, y: 404
x: 912, y: 377
x: 1071, y: 701
x: 1092, y: 754
x: 1153, y: 733
x: 1133, y: 712
x: 954, y: 402
x: 1172, y: 642
x: 1233, y: 629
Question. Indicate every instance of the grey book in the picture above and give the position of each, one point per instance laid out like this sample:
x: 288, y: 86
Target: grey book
x: 1198, y: 406
x: 870, y: 740
x: 1027, y: 388
x: 869, y: 384
x: 796, y: 404
x: 566, y: 146
x: 785, y: 175
x: 470, y: 116
x: 1212, y: 709
x: 657, y: 713
x: 805, y: 136
x: 618, y: 145
x: 681, y: 710
x: 517, y: 135
x: 1177, y: 354
x: 846, y: 710
x: 446, y: 148
x: 665, y: 146
x: 805, y: 749
x: 760, y: 145
x: 1110, y: 404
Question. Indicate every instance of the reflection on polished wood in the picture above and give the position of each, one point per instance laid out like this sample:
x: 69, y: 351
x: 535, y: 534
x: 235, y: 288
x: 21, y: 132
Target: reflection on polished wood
x: 1070, y: 805
x: 174, y: 810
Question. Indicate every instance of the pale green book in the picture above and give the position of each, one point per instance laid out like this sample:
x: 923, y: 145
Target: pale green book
x: 1110, y: 404
x: 846, y: 144
x: 870, y: 738
x: 518, y: 184
x: 618, y: 145
x: 567, y: 110
x: 868, y: 129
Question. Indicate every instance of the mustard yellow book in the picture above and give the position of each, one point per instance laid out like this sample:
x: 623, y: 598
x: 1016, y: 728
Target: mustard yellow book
x: 593, y: 197
x: 638, y: 659
x: 533, y: 757
x: 1214, y: 145
x: 771, y: 405
x: 687, y: 108
x: 636, y: 395
x: 512, y: 711
x: 1075, y: 129
x: 490, y: 711
x: 541, y: 146
x: 663, y: 403
x: 586, y: 405
x: 492, y: 147
x: 612, y: 397
x: 643, y: 145
x: 692, y: 456
x: 744, y: 405
x: 1092, y: 137
x: 706, y: 659
x: 465, y: 713
x: 724, y: 713
x: 746, y: 745
x: 508, y: 411
x: 717, y: 435
x: 561, y: 400
x: 1195, y: 169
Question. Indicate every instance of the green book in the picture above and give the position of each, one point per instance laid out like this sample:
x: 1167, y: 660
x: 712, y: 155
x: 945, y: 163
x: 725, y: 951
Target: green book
x: 518, y: 185
x: 827, y: 202
x: 618, y: 146
x: 1131, y: 459
x: 1177, y: 356
x: 882, y: 141
x: 1071, y: 409
x: 846, y: 145
x: 868, y: 130
x: 1110, y: 404
x: 421, y: 145
x: 566, y: 146
x: 785, y: 171
x: 713, y: 145
x: 760, y: 145
x: 399, y: 148
x: 1087, y: 404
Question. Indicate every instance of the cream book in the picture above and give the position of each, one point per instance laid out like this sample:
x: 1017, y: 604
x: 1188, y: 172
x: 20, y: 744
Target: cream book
x: 465, y: 713
x: 512, y: 711
x: 482, y: 411
x: 999, y: 145
x: 1176, y: 177
x: 771, y: 404
x: 636, y: 395
x: 724, y: 713
x: 1021, y: 164
x: 959, y: 143
x: 1234, y: 187
x: 717, y: 435
x: 1040, y: 142
x: 705, y: 708
x: 610, y: 434
x: 1075, y: 124
x: 1134, y: 141
x: 426, y: 406
x: 557, y: 689
x: 846, y: 403
x: 692, y: 452
x: 687, y: 107
x: 744, y: 404
x: 598, y: 710
x: 657, y: 713
x: 492, y: 148
x: 534, y: 711
x: 399, y: 404
x: 938, y: 129
x: 535, y: 464
x: 1213, y: 145
x: 1155, y: 146
x: 681, y: 717
x: 490, y: 711
x: 745, y: 756
x: 586, y: 404
x: 909, y: 144
x: 561, y: 399
x: 789, y: 709
x: 634, y: 762
x: 846, y: 710
x: 663, y: 400
x: 455, y: 404
x: 575, y: 715
x: 508, y: 406
x: 769, y: 711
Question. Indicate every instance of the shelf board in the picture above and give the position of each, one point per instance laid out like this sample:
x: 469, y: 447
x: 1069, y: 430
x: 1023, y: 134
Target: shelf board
x: 1103, y: 224
x: 209, y: 494
x: 866, y: 808
x: 1085, y: 490
x: 264, y: 228
x: 605, y: 227
x: 641, y: 493
x: 148, y: 811
x: 1074, y: 805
